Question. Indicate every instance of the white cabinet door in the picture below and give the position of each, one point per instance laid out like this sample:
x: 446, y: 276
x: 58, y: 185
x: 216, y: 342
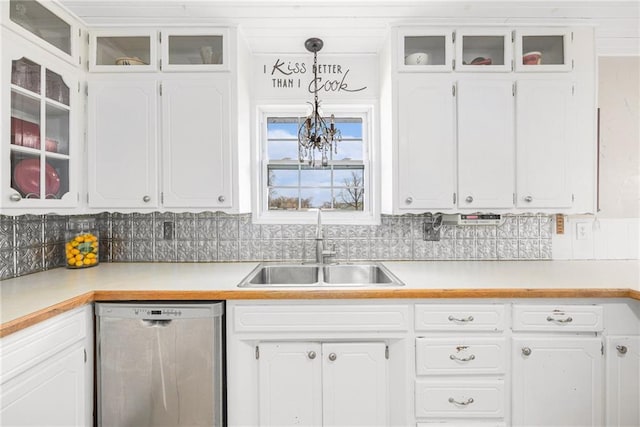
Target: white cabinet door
x: 623, y: 381
x: 354, y: 384
x: 122, y: 131
x: 426, y: 143
x: 544, y: 123
x: 557, y: 381
x: 485, y: 144
x: 290, y: 384
x: 51, y: 394
x: 196, y: 150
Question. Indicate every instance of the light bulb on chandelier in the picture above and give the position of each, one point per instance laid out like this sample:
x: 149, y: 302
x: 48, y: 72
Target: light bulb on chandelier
x: 314, y: 136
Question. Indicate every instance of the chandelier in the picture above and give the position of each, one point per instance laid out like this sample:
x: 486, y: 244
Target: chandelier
x: 314, y: 136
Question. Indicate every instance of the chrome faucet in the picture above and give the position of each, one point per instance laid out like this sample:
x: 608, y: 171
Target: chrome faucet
x: 321, y: 252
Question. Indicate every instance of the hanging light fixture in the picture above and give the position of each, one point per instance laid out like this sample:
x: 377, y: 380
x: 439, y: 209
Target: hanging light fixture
x: 314, y: 136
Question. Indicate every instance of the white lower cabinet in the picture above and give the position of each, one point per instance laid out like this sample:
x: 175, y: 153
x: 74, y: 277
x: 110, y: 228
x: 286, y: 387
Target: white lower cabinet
x: 622, y: 355
x: 330, y: 384
x: 46, y: 373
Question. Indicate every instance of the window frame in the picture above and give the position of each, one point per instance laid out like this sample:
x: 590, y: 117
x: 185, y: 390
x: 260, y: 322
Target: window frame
x: 369, y: 214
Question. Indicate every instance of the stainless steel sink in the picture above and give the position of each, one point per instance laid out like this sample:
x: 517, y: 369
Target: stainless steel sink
x: 316, y: 275
x: 357, y: 274
x: 283, y: 275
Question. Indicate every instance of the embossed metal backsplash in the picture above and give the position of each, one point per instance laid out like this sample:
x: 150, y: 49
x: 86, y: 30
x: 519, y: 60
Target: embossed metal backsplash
x: 31, y: 243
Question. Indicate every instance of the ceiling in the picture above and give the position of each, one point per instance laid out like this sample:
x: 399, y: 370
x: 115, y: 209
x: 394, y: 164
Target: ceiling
x: 347, y: 26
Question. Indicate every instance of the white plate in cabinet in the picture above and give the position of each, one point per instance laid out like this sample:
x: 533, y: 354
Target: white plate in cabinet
x: 463, y: 355
x: 457, y: 399
x: 575, y: 318
x: 459, y: 317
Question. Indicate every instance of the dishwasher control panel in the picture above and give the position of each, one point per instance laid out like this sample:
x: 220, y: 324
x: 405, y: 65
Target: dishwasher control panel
x: 159, y: 311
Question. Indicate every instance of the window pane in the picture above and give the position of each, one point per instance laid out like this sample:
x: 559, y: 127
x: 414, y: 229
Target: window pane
x: 350, y: 199
x: 316, y: 197
x: 283, y: 177
x: 348, y: 177
x: 348, y: 150
x: 282, y: 138
x: 283, y: 198
x: 315, y: 177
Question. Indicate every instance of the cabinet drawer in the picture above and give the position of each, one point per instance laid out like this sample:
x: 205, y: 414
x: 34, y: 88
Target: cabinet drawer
x: 28, y: 347
x: 465, y: 423
x: 459, y: 317
x: 464, y: 355
x: 274, y: 318
x: 456, y: 399
x: 586, y: 318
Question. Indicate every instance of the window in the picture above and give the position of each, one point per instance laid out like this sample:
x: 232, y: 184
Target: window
x: 289, y: 188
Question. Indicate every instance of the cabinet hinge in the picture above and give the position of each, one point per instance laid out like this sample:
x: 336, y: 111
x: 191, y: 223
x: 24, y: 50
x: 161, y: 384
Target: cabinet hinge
x: 573, y: 198
x: 513, y: 36
x: 88, y: 38
x: 454, y: 198
x: 79, y: 32
x: 86, y: 90
x: 160, y: 64
x: 453, y: 64
x: 79, y: 60
x: 453, y: 37
x: 162, y: 200
x: 572, y: 36
x: 386, y: 352
x: 159, y: 37
x: 257, y: 352
x: 453, y: 90
x: 572, y: 64
x: 602, y: 348
x: 513, y: 89
x: 85, y: 355
x: 514, y: 198
x: 160, y: 88
x: 512, y: 65
x: 78, y: 87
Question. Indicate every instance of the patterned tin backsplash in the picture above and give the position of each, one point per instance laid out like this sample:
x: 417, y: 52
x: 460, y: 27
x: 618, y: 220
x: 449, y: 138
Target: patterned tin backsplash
x: 32, y: 243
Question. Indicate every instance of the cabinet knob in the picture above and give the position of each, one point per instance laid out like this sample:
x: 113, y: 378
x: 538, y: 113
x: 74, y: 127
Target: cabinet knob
x: 146, y: 199
x: 408, y: 200
x: 469, y: 199
x: 526, y: 351
x: 15, y: 197
x: 332, y: 357
x: 221, y: 199
x: 528, y: 199
x: 622, y: 349
x: 311, y: 355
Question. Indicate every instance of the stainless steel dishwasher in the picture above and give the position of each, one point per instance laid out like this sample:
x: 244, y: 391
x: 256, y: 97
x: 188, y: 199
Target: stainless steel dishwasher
x: 159, y: 364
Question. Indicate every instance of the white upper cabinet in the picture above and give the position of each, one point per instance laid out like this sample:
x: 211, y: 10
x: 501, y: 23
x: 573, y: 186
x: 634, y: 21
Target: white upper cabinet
x: 486, y: 169
x: 483, y: 50
x: 425, y: 50
x: 45, y: 24
x: 426, y: 143
x: 130, y: 50
x: 142, y: 50
x: 547, y: 49
x: 544, y: 129
x: 195, y: 50
x: 40, y: 115
x: 196, y: 149
x: 123, y: 143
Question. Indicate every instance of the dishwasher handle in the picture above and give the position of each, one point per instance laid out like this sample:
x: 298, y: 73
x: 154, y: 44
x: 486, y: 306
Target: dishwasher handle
x: 155, y: 323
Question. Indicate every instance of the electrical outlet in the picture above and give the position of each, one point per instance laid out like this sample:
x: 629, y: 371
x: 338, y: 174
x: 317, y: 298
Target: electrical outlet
x: 168, y: 230
x: 429, y: 233
x: 583, y: 231
x: 559, y: 224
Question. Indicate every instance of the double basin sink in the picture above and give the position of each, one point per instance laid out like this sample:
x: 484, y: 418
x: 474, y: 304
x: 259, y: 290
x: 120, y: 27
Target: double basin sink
x: 309, y: 275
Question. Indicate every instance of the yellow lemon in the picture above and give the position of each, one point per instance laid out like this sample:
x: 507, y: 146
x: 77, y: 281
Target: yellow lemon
x: 79, y: 239
x: 79, y: 257
x: 74, y: 244
x: 79, y: 264
x: 71, y: 261
x: 75, y: 251
x: 87, y: 261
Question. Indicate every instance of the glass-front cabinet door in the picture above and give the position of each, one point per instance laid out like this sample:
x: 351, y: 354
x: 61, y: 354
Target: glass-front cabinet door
x: 195, y: 50
x: 42, y: 21
x: 37, y: 169
x: 425, y: 50
x: 128, y: 50
x: 483, y: 50
x: 543, y: 50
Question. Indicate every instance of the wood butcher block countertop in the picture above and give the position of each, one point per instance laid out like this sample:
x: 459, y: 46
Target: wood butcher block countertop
x: 30, y: 299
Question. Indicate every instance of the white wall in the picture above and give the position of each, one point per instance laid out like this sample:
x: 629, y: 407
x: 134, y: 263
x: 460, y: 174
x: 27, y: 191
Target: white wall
x: 614, y: 233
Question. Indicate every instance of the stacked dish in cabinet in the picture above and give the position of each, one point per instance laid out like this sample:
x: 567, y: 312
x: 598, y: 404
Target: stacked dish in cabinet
x: 461, y: 355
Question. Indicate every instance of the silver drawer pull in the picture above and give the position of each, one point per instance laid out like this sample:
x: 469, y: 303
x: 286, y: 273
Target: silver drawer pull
x: 462, y: 359
x: 455, y: 402
x: 455, y: 319
x: 552, y: 319
x: 622, y: 349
